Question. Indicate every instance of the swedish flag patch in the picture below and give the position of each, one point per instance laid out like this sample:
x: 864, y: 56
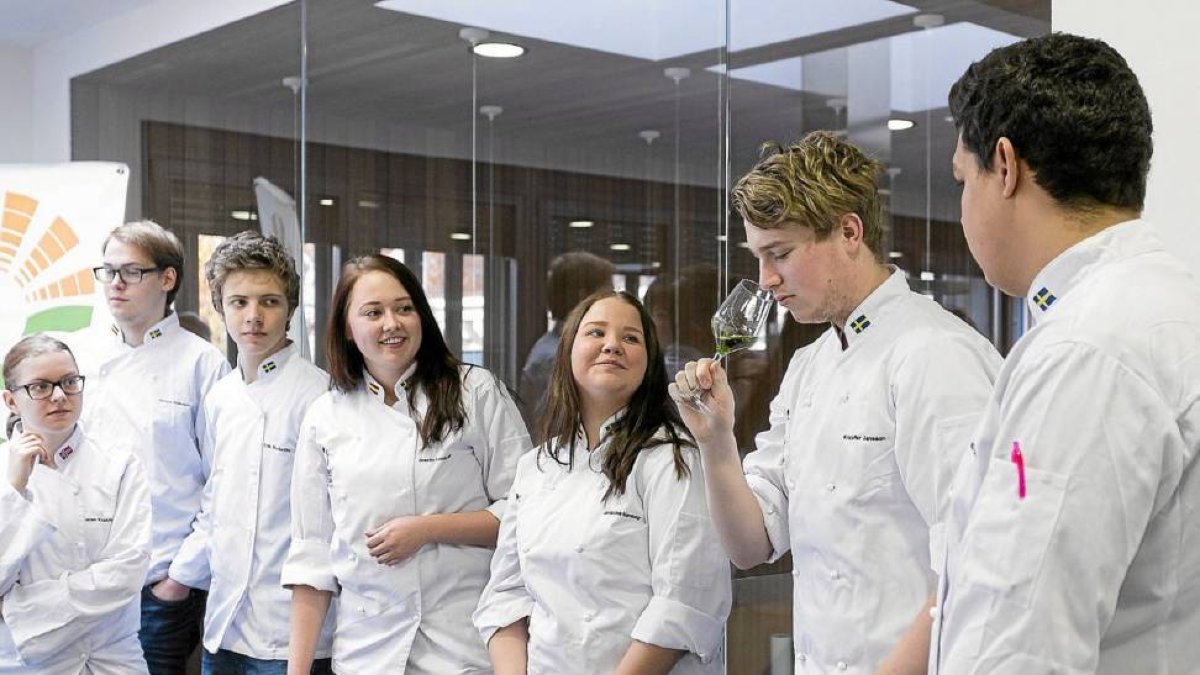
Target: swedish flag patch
x: 269, y: 366
x: 155, y: 334
x: 861, y: 323
x: 374, y: 388
x: 1044, y: 298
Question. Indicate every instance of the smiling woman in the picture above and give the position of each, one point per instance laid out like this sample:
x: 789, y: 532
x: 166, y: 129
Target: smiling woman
x: 630, y: 519
x: 402, y: 473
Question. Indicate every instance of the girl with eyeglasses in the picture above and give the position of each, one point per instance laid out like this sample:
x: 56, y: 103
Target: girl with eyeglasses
x: 74, y: 527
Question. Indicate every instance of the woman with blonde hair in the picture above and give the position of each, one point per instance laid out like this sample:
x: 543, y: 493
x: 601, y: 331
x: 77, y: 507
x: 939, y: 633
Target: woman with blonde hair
x: 74, y: 527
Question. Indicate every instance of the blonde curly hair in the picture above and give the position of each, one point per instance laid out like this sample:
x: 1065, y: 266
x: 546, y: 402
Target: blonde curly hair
x: 813, y: 183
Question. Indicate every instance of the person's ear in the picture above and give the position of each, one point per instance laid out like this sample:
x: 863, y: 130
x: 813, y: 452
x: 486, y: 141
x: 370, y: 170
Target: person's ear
x: 1006, y: 163
x: 170, y: 279
x: 10, y: 400
x: 852, y: 231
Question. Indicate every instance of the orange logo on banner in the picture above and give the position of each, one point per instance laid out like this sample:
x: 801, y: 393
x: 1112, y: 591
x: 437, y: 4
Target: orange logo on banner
x: 54, y: 244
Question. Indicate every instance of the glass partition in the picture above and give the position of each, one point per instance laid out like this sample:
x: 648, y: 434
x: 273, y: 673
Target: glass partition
x: 615, y: 132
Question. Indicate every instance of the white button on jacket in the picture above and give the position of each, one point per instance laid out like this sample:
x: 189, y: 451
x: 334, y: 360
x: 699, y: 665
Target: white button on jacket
x: 148, y: 400
x: 245, y: 528
x: 593, y: 575
x: 1081, y: 553
x: 855, y: 468
x: 358, y: 465
x: 73, y: 556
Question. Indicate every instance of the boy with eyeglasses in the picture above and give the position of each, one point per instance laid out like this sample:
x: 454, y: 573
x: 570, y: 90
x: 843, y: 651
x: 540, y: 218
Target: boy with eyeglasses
x: 147, y: 384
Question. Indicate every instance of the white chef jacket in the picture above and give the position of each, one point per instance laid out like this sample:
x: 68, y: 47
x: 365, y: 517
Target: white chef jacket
x: 73, y: 555
x: 359, y: 464
x: 855, y: 468
x: 593, y: 575
x: 245, y: 527
x: 1096, y: 569
x: 148, y: 399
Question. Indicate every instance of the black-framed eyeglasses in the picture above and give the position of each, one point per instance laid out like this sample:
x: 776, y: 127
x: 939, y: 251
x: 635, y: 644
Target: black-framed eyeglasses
x: 41, y: 389
x: 130, y: 274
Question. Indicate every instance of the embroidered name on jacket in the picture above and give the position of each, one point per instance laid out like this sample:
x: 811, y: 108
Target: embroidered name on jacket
x: 277, y: 448
x: 174, y: 402
x: 624, y: 514
x: 863, y: 437
x: 441, y: 458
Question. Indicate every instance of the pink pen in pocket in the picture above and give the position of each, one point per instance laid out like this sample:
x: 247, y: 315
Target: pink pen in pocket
x: 1019, y: 460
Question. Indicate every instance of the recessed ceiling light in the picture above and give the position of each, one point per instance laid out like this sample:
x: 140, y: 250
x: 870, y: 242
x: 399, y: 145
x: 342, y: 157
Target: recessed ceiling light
x: 368, y: 204
x: 580, y: 224
x: 656, y: 264
x: 744, y: 244
x: 895, y: 254
x: 240, y: 215
x: 927, y: 276
x: 721, y: 237
x: 498, y: 50
x: 326, y: 202
x: 898, y: 124
x: 460, y: 236
x: 620, y: 247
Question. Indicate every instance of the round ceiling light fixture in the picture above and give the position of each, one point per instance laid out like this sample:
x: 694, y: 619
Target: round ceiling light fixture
x: 498, y: 50
x: 900, y: 124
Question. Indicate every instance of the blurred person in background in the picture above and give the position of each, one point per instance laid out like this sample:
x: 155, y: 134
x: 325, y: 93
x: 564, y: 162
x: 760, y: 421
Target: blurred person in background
x: 571, y: 278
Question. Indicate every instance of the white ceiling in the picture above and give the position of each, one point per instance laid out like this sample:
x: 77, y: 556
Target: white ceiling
x: 29, y: 23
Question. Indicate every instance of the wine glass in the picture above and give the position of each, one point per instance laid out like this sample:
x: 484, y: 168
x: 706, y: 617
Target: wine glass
x: 736, y: 324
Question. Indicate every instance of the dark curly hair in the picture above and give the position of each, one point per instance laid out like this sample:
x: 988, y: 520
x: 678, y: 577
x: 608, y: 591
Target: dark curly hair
x: 251, y: 250
x: 1073, y: 110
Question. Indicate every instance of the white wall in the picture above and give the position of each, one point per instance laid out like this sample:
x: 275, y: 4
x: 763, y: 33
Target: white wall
x: 1159, y: 40
x: 16, y: 113
x: 119, y: 37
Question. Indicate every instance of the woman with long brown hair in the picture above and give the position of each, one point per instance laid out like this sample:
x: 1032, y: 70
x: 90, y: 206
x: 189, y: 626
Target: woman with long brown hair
x: 607, y: 562
x: 401, y: 476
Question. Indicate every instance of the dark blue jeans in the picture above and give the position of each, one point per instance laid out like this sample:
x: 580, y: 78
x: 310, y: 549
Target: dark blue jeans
x: 225, y: 662
x: 170, y: 631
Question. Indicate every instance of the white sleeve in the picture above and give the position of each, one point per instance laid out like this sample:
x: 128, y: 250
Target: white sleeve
x: 191, y: 563
x: 22, y: 528
x: 44, y: 617
x: 690, y: 575
x: 939, y: 390
x: 505, y: 600
x: 1038, y: 574
x: 765, y: 467
x: 497, y: 420
x: 310, y: 558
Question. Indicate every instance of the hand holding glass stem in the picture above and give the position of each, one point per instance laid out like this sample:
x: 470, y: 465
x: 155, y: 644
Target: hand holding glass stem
x: 736, y: 325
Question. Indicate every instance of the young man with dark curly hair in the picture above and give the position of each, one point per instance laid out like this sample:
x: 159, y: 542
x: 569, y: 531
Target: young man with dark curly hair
x: 252, y: 417
x: 1074, y: 536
